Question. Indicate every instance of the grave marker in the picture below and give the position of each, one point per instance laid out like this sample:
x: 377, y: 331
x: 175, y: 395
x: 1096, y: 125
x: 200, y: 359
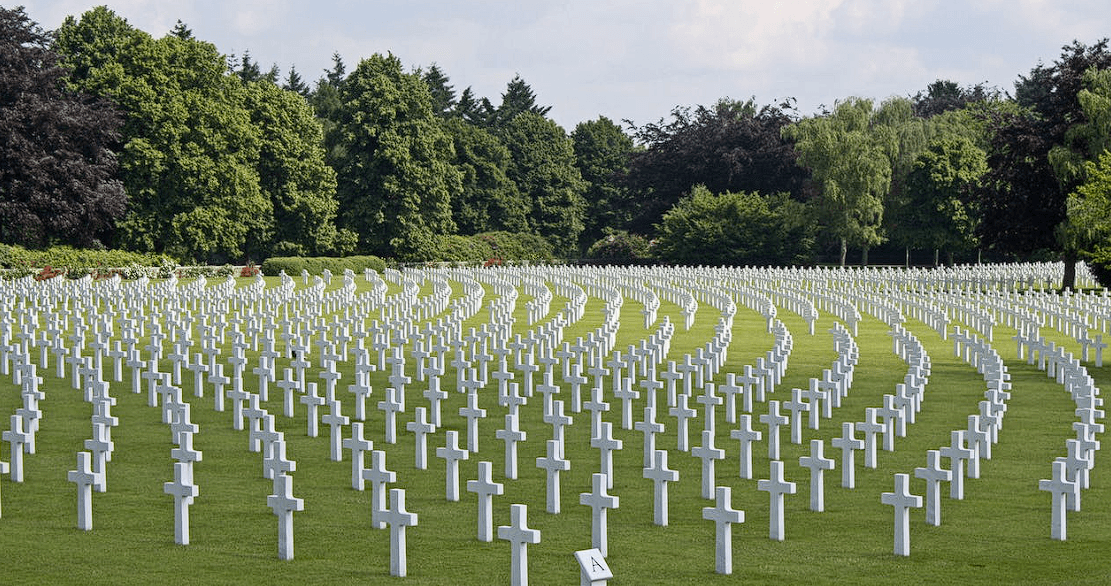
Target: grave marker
x: 723, y: 515
x: 903, y: 502
x: 599, y: 502
x: 519, y: 536
x: 485, y: 488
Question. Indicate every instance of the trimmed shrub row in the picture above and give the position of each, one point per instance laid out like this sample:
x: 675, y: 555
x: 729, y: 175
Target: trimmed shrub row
x: 315, y: 265
x: 76, y: 260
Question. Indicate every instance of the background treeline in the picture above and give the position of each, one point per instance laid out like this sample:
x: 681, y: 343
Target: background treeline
x: 110, y: 137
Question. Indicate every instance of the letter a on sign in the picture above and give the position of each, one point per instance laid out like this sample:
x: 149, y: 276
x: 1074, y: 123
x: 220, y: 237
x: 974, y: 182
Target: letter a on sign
x: 593, y: 565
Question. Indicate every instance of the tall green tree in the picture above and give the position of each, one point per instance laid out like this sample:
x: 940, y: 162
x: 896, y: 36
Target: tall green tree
x: 57, y: 166
x: 294, y: 83
x: 489, y: 200
x: 443, y: 94
x: 732, y: 146
x: 1089, y: 210
x: 190, y: 152
x: 945, y: 96
x: 852, y: 168
x: 1089, y: 206
x: 940, y: 210
x: 293, y: 175
x: 543, y: 168
x: 518, y: 99
x: 1024, y: 197
x: 477, y: 111
x: 395, y: 175
x: 602, y: 154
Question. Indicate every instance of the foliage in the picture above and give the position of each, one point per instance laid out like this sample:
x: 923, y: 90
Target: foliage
x: 620, y: 246
x: 731, y: 146
x: 1025, y: 193
x: 735, y: 229
x: 543, y: 168
x: 939, y: 210
x: 602, y: 153
x: 57, y: 166
x: 852, y: 165
x: 315, y: 265
x: 517, y: 246
x: 292, y: 171
x: 395, y: 174
x: 69, y: 257
x: 1089, y: 211
x: 456, y: 248
x: 188, y: 162
x: 443, y: 94
x: 946, y: 96
x: 489, y: 200
x: 218, y: 166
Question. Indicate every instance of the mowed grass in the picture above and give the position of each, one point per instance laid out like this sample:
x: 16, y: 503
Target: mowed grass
x: 1000, y: 532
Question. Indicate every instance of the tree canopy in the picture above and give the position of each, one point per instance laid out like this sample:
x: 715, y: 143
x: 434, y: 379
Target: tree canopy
x: 57, y: 146
x: 731, y: 146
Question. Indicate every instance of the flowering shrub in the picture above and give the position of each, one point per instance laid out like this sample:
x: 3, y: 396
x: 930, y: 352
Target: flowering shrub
x: 48, y: 272
x: 250, y: 270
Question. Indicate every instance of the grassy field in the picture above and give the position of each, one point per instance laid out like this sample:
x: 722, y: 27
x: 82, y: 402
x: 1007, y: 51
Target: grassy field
x: 999, y: 534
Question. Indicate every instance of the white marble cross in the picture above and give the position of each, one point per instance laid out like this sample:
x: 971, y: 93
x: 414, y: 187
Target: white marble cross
x: 553, y: 463
x: 682, y: 414
x: 511, y: 435
x: 869, y: 427
x: 776, y: 487
x: 451, y: 454
x: 903, y: 502
x: 606, y: 445
x: 183, y: 490
x: 848, y: 443
x: 358, y: 445
x: 398, y: 519
x: 746, y: 436
x: 708, y: 453
x: 284, y: 504
x: 774, y: 420
x: 723, y: 515
x: 1060, y: 488
x: 934, y: 475
x: 520, y: 537
x: 379, y: 477
x: 957, y: 454
x: 599, y: 502
x: 473, y: 413
x: 818, y: 464
x: 485, y: 488
x: 85, y: 478
x: 659, y: 473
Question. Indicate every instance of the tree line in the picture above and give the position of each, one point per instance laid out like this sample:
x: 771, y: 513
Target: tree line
x: 112, y: 137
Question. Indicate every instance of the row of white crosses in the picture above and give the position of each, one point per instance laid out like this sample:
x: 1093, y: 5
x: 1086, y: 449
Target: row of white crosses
x: 706, y: 445
x: 1071, y: 472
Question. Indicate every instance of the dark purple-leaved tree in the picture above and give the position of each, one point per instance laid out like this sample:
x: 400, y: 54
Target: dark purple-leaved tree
x: 58, y: 179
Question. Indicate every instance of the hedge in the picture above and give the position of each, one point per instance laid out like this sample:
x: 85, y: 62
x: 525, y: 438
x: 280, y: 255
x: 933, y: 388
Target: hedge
x: 315, y: 265
x: 76, y: 260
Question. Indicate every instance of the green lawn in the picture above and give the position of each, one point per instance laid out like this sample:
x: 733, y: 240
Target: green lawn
x: 1000, y: 532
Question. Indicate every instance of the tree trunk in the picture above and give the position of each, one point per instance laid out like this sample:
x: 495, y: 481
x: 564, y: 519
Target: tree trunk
x: 908, y: 257
x: 935, y: 257
x: 844, y: 250
x: 950, y: 255
x: 864, y: 257
x: 1068, y: 282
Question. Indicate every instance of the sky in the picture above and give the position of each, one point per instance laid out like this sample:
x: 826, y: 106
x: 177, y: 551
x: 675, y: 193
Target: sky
x: 637, y: 60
